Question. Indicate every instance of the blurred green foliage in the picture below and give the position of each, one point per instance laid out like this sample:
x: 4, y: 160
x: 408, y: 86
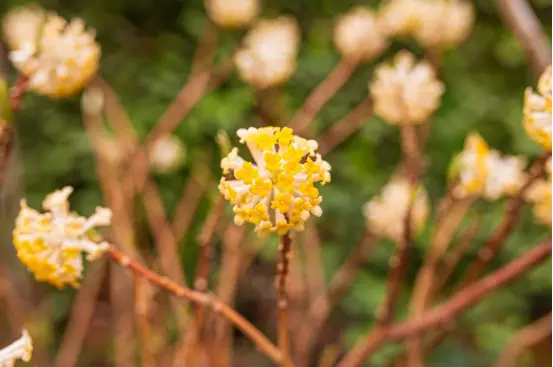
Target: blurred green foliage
x: 148, y: 47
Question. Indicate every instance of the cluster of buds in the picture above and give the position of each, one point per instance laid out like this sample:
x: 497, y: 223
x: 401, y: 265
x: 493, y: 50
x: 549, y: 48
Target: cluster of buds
x: 232, y: 13
x: 276, y: 193
x: 358, y: 36
x: 539, y: 194
x: 166, y: 154
x: 434, y: 23
x: 268, y: 56
x: 385, y: 214
x: 481, y: 171
x: 21, y: 349
x: 51, y: 244
x: 537, y: 111
x: 58, y: 58
x: 406, y: 92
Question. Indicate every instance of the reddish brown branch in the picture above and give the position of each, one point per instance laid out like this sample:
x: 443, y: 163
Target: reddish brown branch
x: 524, y: 339
x: 216, y: 305
x: 283, y: 267
x: 449, y: 309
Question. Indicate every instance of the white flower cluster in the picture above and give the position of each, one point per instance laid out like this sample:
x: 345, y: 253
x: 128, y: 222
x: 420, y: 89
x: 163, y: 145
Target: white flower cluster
x: 537, y: 111
x: 57, y: 57
x: 406, y: 92
x: 385, y: 214
x: 232, y: 13
x: 21, y: 349
x: 539, y: 194
x: 166, y: 154
x: 268, y: 56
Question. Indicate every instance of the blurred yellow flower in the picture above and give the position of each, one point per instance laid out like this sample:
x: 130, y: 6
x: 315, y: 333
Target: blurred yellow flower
x: 537, y: 111
x: 21, y: 349
x: 481, y: 171
x: 444, y: 23
x: 277, y: 192
x: 357, y: 34
x: 50, y: 244
x: 61, y: 60
x: 406, y: 92
x: 385, y: 214
x: 539, y: 194
x: 268, y: 56
x: 232, y: 13
x: 400, y: 17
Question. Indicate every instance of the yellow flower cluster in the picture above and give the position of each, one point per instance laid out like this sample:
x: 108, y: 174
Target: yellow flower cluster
x: 57, y: 57
x: 232, y: 13
x: 481, y: 171
x: 385, y: 214
x: 358, y: 36
x: 537, y: 111
x: 407, y: 92
x: 277, y: 192
x: 50, y: 244
x: 434, y: 23
x: 268, y: 57
x: 539, y: 194
x: 21, y: 349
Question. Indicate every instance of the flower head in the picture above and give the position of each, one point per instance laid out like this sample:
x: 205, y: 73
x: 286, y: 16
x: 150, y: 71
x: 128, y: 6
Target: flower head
x: 385, y: 214
x: 22, y: 349
x: 481, y: 171
x: 406, y: 92
x: 400, y: 17
x: 167, y: 154
x: 539, y: 194
x: 60, y: 60
x: 444, y: 23
x: 232, y: 13
x: 537, y: 111
x: 268, y: 57
x: 50, y: 244
x: 276, y: 193
x: 357, y: 34
x: 22, y: 26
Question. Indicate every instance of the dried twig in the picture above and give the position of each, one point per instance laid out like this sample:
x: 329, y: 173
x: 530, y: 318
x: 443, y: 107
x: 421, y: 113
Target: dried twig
x: 519, y: 17
x: 524, y: 339
x: 322, y: 306
x: 322, y: 94
x: 450, y: 308
x: 122, y: 320
x: 216, y: 305
x: 82, y: 311
x: 285, y: 251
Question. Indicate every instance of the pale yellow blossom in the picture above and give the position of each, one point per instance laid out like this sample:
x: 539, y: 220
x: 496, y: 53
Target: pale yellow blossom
x: 22, y: 26
x: 444, y: 23
x: 539, y: 194
x: 400, y: 17
x: 166, y: 154
x: 268, y: 56
x: 232, y: 13
x: 405, y: 92
x: 21, y: 349
x: 357, y: 34
x: 276, y: 193
x: 61, y: 61
x: 385, y: 214
x: 50, y: 244
x: 537, y: 111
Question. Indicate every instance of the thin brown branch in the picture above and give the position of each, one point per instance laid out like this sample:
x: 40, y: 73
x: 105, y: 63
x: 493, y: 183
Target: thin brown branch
x: 216, y: 305
x: 523, y: 22
x: 82, y: 311
x: 312, y: 255
x: 341, y: 130
x: 322, y: 306
x: 524, y: 339
x: 206, y: 48
x: 283, y: 267
x: 322, y: 94
x: 444, y: 312
x: 187, y: 205
x: 122, y: 320
x: 143, y: 327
